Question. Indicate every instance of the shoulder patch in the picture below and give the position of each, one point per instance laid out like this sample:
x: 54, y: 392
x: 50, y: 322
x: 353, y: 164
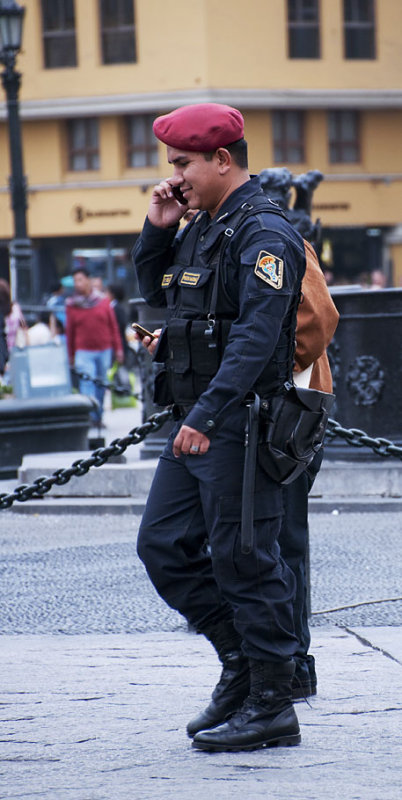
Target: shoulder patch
x: 270, y: 269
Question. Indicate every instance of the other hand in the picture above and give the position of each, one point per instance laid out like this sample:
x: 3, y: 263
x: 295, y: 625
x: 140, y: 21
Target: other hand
x: 189, y: 441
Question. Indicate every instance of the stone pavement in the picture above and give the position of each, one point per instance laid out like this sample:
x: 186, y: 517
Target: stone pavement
x: 102, y: 717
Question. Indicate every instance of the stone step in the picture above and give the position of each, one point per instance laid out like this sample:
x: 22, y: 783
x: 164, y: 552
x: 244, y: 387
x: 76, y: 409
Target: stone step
x: 336, y: 478
x: 81, y: 505
x: 382, y: 478
x: 132, y: 479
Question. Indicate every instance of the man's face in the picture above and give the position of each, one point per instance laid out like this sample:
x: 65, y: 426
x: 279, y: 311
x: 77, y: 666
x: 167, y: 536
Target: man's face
x: 201, y: 182
x: 82, y: 283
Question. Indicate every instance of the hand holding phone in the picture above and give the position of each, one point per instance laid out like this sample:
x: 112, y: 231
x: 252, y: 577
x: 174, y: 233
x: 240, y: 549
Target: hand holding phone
x: 141, y: 331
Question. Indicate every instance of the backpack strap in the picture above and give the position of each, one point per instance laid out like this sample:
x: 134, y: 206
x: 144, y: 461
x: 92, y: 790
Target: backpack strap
x: 256, y: 204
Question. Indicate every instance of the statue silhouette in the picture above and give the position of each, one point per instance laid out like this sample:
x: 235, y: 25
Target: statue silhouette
x: 277, y: 184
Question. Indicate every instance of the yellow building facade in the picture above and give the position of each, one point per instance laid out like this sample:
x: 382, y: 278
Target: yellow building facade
x: 312, y: 98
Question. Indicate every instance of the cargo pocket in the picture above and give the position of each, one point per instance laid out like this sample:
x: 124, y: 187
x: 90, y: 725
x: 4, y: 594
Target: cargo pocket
x: 179, y: 361
x: 267, y: 513
x: 194, y: 289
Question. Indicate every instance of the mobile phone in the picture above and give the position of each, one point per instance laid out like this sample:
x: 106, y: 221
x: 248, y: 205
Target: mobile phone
x: 141, y: 331
x: 178, y: 195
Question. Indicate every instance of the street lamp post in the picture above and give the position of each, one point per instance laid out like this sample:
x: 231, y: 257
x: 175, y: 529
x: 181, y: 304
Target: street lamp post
x: 11, y: 21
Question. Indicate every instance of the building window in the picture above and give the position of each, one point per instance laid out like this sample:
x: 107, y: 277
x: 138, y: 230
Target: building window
x: 117, y: 31
x: 359, y: 28
x: 83, y: 144
x: 288, y: 128
x: 303, y: 29
x: 142, y: 145
x: 58, y: 31
x: 344, y: 144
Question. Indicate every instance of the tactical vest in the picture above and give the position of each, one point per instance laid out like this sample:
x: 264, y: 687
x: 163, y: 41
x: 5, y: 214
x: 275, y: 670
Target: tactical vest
x: 202, y: 305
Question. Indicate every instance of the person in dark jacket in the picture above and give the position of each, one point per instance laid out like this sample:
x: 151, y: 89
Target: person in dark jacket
x: 116, y: 295
x: 229, y: 331
x: 3, y: 344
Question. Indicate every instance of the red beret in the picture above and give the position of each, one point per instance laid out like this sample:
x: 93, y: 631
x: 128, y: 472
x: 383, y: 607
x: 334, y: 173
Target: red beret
x: 202, y: 127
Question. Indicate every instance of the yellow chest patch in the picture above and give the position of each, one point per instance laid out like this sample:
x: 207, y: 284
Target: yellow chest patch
x: 167, y: 279
x: 189, y: 278
x: 270, y: 269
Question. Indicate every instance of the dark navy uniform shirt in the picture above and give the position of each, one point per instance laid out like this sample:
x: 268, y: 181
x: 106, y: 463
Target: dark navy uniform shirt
x: 263, y: 267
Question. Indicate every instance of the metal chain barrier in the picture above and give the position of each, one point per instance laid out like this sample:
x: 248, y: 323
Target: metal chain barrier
x: 356, y: 438
x: 113, y: 386
x: 43, y: 484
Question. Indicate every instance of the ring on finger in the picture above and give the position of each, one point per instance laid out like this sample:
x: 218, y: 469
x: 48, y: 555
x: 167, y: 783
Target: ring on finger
x: 194, y: 448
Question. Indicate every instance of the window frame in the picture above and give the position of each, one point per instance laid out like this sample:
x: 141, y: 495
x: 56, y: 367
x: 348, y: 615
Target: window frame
x: 89, y: 151
x: 353, y: 25
x: 150, y: 146
x: 65, y: 33
x: 299, y: 24
x: 120, y: 28
x: 340, y: 143
x: 283, y: 141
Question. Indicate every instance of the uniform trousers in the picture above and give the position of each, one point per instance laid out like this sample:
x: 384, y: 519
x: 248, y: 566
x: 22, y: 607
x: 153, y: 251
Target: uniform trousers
x: 293, y: 542
x: 189, y: 541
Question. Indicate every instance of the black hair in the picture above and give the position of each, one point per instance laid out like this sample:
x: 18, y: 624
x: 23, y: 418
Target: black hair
x: 117, y: 291
x: 84, y: 271
x: 237, y: 150
x: 5, y: 298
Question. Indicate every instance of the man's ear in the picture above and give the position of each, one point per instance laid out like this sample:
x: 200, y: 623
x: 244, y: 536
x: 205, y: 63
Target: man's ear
x: 224, y: 159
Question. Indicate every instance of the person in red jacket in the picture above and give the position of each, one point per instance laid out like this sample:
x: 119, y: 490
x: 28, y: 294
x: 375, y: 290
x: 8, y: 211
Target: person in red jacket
x: 93, y: 338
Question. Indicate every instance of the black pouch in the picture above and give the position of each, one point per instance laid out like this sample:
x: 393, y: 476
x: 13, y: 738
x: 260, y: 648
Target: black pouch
x: 205, y: 354
x: 162, y: 389
x: 292, y: 430
x: 179, y: 362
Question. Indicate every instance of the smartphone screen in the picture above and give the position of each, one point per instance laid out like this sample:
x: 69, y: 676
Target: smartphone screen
x: 141, y: 331
x: 178, y: 195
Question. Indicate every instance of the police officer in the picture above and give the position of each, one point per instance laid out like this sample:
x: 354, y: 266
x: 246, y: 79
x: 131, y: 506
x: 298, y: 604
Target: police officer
x: 230, y: 285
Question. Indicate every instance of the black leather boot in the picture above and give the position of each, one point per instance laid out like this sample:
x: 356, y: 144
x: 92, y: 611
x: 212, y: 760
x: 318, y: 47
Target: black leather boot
x: 266, y: 719
x: 234, y: 684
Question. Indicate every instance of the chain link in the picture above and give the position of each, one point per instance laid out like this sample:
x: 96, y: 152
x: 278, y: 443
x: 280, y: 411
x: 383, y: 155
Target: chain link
x: 43, y: 484
x: 356, y: 438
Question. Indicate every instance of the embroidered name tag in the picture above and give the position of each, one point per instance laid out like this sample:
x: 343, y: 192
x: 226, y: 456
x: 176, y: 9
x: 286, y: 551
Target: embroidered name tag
x: 190, y: 278
x: 167, y: 279
x: 270, y: 269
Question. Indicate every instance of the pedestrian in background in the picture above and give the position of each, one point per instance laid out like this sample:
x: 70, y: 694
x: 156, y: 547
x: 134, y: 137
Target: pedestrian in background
x: 93, y: 338
x: 116, y: 295
x: 39, y: 332
x: 57, y: 302
x: 3, y: 342
x: 16, y: 326
x: 229, y: 331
